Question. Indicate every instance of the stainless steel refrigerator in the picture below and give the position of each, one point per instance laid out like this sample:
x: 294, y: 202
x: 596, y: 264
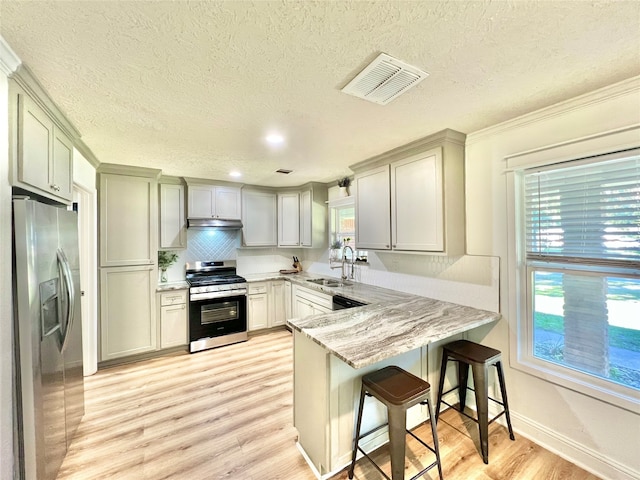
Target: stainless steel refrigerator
x: 48, y: 329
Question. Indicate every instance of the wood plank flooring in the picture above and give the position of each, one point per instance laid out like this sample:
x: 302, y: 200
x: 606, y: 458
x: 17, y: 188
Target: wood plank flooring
x: 227, y: 414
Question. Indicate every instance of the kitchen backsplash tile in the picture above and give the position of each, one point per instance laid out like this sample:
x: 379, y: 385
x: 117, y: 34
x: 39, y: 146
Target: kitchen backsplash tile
x: 211, y: 244
x: 205, y: 244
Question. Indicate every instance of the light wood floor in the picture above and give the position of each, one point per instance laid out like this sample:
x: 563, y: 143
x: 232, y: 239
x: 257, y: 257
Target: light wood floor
x: 227, y: 414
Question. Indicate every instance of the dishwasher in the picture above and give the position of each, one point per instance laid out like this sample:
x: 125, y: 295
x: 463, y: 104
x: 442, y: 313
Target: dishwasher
x: 340, y: 303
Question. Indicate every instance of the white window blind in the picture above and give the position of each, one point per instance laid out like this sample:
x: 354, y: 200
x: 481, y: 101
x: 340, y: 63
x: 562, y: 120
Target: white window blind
x: 587, y: 213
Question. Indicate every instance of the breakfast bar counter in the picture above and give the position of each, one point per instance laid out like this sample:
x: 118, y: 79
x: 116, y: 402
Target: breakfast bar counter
x: 387, y: 330
x: 332, y: 351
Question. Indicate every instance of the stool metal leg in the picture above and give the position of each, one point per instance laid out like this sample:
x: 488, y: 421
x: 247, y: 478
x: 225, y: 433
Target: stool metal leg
x: 356, y: 437
x: 397, y: 440
x: 503, y: 391
x: 436, y: 446
x: 480, y: 373
x: 443, y: 372
x: 463, y: 380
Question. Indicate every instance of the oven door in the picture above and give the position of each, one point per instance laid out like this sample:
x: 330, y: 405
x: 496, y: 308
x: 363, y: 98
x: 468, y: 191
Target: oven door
x: 215, y: 317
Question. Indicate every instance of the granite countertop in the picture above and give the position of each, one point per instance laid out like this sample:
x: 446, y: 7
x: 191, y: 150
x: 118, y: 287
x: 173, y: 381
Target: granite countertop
x: 165, y: 287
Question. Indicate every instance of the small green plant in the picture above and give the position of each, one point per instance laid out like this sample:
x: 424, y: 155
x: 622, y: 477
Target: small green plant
x: 166, y: 258
x: 344, y: 182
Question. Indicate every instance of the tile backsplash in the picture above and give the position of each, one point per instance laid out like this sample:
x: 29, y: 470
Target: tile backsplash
x: 205, y: 244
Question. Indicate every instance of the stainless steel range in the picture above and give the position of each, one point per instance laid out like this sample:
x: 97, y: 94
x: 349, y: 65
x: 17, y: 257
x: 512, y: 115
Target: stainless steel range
x: 217, y: 305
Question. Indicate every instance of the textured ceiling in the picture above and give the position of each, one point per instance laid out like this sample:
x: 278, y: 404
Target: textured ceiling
x: 193, y: 87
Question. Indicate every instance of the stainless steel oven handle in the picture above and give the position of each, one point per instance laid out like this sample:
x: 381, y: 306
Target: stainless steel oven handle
x: 224, y: 294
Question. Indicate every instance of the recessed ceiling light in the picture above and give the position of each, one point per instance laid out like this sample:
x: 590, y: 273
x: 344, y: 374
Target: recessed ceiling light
x: 235, y: 174
x: 274, y: 139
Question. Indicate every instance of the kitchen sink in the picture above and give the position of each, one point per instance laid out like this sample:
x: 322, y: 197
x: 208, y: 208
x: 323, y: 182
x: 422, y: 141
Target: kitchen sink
x: 330, y: 282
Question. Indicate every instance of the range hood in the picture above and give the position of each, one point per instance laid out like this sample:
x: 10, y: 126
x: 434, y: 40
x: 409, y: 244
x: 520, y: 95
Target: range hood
x: 215, y: 223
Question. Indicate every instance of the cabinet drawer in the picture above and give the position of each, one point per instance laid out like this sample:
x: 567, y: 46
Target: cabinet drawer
x: 173, y: 298
x: 258, y: 287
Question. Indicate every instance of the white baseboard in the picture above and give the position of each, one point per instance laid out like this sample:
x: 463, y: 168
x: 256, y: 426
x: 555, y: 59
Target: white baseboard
x: 587, y: 458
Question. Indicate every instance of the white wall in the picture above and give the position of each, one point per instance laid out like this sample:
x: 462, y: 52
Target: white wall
x: 597, y: 435
x: 6, y: 323
x: 8, y: 61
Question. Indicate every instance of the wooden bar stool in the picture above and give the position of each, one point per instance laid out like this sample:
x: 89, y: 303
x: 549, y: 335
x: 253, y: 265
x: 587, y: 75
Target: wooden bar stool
x: 480, y: 358
x: 398, y: 390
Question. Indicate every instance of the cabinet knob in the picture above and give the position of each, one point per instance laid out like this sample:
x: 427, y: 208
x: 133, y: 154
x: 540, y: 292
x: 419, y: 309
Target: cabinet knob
x: 55, y: 187
x: 386, y: 246
x: 393, y: 246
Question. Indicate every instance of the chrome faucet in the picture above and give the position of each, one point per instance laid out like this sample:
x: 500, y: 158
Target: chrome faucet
x: 344, y: 259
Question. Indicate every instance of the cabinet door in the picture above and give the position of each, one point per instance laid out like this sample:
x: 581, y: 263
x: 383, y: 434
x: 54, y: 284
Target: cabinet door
x: 288, y: 296
x: 61, y: 172
x: 35, y: 138
x: 128, y: 220
x: 373, y: 209
x: 127, y: 313
x: 258, y: 311
x: 288, y: 219
x: 416, y: 203
x: 306, y: 219
x: 259, y: 219
x: 277, y: 304
x: 201, y: 201
x: 172, y: 227
x: 303, y: 308
x: 173, y: 325
x: 228, y: 202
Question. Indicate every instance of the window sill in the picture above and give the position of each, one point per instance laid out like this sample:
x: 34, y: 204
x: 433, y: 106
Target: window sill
x: 602, y: 390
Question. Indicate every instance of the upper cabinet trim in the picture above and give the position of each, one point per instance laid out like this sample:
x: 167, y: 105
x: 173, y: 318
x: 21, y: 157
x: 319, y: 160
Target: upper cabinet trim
x: 415, y: 147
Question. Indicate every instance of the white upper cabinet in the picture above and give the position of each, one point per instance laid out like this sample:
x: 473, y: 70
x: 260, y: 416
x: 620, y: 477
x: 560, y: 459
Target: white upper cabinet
x: 416, y: 203
x: 172, y: 221
x: 412, y: 198
x: 213, y: 201
x: 289, y: 219
x: 259, y: 218
x: 45, y: 153
x: 306, y: 219
x: 128, y: 220
x: 302, y: 217
x: 373, y: 209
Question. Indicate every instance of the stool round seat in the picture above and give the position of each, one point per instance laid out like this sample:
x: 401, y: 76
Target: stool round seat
x: 398, y: 390
x: 479, y: 358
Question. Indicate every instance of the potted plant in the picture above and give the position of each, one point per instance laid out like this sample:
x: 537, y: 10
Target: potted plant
x: 344, y: 184
x: 166, y: 258
x: 334, y: 250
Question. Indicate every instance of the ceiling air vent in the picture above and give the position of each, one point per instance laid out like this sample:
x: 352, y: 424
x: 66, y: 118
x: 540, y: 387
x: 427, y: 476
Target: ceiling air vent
x: 384, y: 79
x: 284, y: 171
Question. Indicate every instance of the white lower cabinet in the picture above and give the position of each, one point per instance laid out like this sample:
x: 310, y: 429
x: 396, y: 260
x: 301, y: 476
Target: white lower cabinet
x: 267, y: 304
x: 278, y: 312
x: 173, y: 318
x: 311, y: 302
x: 127, y: 311
x: 258, y: 311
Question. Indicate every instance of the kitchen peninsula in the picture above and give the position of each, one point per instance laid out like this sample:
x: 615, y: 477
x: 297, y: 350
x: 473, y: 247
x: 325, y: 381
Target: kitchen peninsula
x: 332, y: 351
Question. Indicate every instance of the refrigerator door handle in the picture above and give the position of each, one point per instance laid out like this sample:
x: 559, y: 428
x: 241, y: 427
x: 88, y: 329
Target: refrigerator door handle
x: 67, y: 280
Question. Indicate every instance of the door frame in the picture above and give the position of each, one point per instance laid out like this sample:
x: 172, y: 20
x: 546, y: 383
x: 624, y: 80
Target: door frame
x: 86, y: 198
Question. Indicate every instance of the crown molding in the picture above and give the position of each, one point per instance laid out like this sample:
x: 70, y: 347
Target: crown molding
x: 117, y: 169
x: 9, y: 61
x: 603, y: 94
x: 446, y: 136
x: 30, y: 84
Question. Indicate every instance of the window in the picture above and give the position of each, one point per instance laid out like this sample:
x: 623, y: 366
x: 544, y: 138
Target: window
x: 342, y: 230
x: 579, y: 270
x: 343, y: 225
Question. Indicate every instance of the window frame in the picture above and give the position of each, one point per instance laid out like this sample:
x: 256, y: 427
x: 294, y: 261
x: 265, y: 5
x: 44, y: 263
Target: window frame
x: 521, y: 294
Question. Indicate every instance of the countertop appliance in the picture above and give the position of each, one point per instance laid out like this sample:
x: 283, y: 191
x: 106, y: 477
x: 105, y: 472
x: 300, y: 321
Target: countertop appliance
x: 340, y: 303
x: 217, y: 305
x: 48, y: 335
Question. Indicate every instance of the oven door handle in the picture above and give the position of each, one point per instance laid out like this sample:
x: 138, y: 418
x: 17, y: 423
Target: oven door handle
x: 224, y: 294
